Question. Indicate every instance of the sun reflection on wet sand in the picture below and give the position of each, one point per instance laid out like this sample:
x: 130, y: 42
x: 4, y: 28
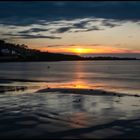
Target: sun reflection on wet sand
x: 82, y: 85
x: 79, y: 119
x: 75, y: 84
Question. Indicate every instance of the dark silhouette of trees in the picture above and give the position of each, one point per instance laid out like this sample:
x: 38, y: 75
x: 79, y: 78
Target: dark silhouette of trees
x: 17, y: 52
x: 110, y: 58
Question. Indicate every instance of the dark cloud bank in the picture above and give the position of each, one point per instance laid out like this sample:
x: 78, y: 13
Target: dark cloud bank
x: 25, y: 13
x: 45, y: 13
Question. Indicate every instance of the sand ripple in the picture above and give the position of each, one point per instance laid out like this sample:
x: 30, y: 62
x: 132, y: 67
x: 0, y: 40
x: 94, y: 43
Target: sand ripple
x: 53, y: 115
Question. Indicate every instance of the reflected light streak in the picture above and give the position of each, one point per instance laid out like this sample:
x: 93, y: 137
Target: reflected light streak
x: 79, y: 119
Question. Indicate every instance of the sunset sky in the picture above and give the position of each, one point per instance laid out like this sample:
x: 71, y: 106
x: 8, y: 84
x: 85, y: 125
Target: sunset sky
x: 83, y: 28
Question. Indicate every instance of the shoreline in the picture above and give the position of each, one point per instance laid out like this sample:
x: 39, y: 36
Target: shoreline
x: 4, y: 89
x: 69, y: 60
x: 5, y: 86
x: 86, y: 92
x: 81, y: 91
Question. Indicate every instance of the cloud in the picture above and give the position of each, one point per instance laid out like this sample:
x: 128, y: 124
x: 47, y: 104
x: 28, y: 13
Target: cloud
x: 62, y: 29
x: 77, y: 26
x: 93, y: 28
x: 38, y: 36
x: 64, y: 17
x: 28, y: 36
x: 81, y: 24
x: 36, y: 30
x: 27, y: 13
x: 75, y: 45
x: 110, y: 24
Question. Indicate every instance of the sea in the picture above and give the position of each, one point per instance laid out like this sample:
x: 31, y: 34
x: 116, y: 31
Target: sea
x: 119, y: 76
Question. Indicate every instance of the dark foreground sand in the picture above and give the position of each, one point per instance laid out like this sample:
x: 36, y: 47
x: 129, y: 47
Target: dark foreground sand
x: 68, y: 113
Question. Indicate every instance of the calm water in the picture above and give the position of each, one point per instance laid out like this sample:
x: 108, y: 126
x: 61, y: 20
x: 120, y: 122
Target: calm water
x: 120, y: 76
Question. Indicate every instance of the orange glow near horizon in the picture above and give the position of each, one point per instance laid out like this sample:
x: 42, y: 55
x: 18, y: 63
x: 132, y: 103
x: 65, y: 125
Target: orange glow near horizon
x: 88, y: 50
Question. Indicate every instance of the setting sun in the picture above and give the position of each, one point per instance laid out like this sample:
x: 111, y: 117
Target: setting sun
x: 81, y: 50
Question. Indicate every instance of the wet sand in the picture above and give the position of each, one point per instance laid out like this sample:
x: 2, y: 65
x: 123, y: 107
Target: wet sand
x: 68, y: 113
x: 4, y: 89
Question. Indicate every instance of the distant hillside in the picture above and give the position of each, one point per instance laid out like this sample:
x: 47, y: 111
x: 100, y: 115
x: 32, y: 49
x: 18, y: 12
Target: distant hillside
x: 10, y: 52
x: 110, y: 58
x: 16, y: 52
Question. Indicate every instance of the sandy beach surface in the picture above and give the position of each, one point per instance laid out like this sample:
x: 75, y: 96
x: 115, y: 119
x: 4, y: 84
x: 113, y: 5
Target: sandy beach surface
x: 68, y: 113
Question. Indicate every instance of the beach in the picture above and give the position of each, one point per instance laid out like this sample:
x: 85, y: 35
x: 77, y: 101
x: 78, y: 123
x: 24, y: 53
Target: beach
x: 55, y: 114
x: 49, y: 105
